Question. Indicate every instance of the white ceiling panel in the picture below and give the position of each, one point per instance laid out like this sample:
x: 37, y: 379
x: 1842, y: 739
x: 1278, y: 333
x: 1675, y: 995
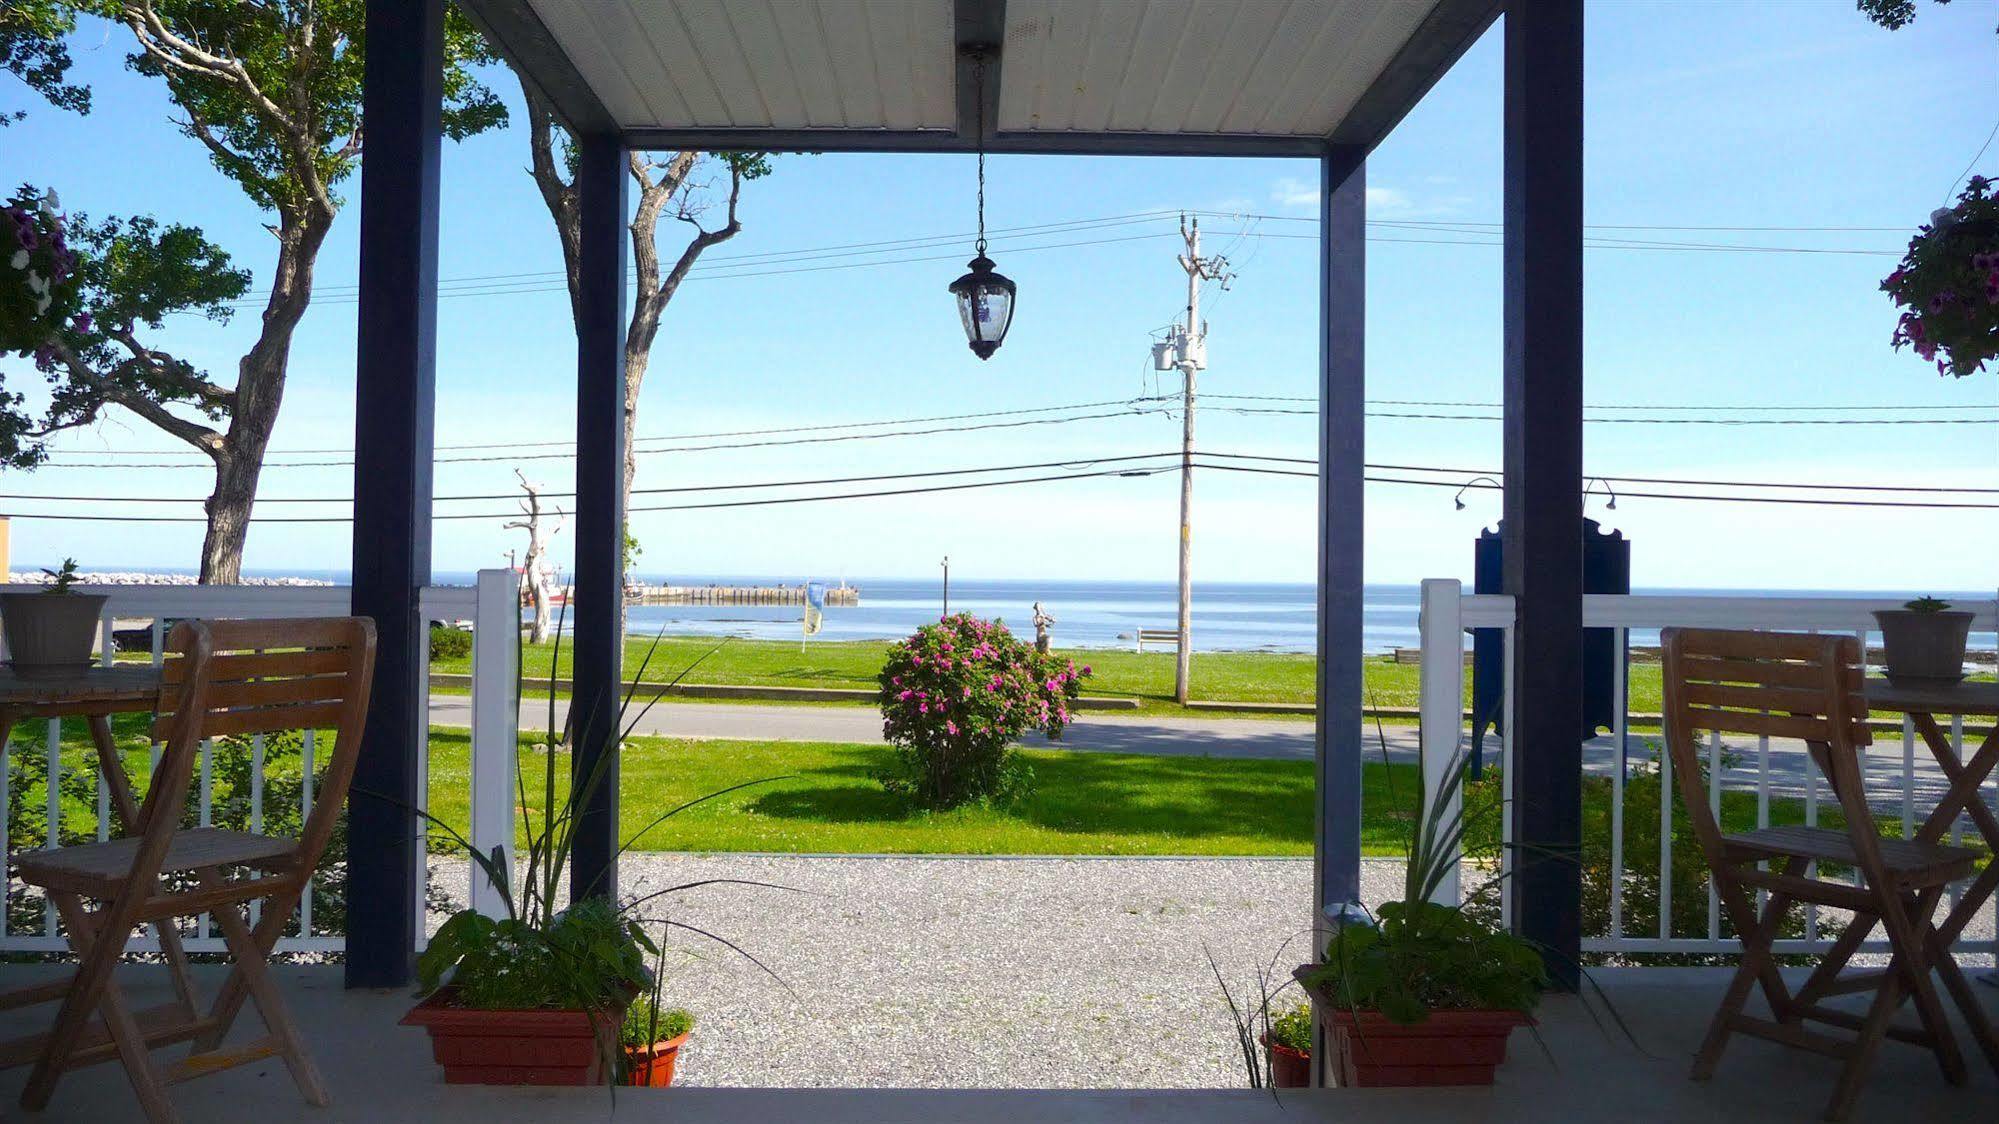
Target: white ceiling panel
x: 1272, y: 71
x: 1253, y: 67
x: 773, y: 64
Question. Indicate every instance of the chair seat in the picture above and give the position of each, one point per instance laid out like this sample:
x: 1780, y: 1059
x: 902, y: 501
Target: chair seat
x: 98, y: 869
x: 1917, y: 863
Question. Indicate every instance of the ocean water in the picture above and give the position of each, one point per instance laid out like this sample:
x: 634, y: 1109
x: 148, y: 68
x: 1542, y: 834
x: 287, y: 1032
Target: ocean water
x: 1227, y: 616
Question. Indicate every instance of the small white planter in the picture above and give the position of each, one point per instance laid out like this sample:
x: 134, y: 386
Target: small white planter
x: 49, y: 635
x: 1924, y: 647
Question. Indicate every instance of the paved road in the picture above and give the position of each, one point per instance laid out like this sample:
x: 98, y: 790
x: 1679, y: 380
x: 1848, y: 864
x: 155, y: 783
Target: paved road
x: 1265, y: 738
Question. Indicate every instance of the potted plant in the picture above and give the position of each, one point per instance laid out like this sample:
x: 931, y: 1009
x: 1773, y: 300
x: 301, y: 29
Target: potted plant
x: 1924, y: 641
x: 49, y: 633
x: 1289, y: 1041
x: 1422, y: 993
x: 1948, y: 284
x: 652, y: 1038
x: 39, y: 285
x: 541, y: 995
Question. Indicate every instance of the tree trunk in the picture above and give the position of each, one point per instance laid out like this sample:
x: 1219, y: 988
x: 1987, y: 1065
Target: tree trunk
x: 229, y: 519
x: 260, y: 390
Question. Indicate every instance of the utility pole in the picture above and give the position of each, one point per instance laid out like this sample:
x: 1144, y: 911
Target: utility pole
x: 1187, y: 348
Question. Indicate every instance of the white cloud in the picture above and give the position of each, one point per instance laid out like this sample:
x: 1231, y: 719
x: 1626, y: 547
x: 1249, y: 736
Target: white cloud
x: 1382, y: 202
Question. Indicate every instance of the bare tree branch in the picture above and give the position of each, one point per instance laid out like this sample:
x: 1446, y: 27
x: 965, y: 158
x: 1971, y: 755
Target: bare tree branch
x: 193, y: 433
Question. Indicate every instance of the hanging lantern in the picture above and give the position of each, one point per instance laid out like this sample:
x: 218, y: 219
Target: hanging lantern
x: 985, y: 297
x: 985, y: 304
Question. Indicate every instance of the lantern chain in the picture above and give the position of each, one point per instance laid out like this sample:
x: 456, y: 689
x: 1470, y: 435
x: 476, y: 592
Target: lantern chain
x: 979, y: 73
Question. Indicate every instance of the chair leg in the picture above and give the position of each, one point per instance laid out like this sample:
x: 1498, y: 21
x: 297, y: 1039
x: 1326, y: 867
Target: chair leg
x: 1756, y: 967
x: 1868, y: 1039
x: 255, y: 972
x: 1966, y: 1000
x: 120, y: 789
x: 229, y: 1000
x: 94, y: 989
x: 1922, y: 991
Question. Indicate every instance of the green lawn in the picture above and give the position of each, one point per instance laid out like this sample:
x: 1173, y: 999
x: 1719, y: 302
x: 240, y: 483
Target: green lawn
x: 1217, y: 676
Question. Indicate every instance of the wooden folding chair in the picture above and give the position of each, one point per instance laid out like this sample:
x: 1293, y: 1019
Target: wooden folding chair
x: 223, y: 678
x: 1808, y: 688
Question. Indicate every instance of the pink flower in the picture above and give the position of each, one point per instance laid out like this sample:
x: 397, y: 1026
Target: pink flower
x: 951, y: 728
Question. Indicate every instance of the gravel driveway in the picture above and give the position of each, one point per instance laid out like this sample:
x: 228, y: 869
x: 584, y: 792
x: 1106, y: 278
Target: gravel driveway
x: 973, y: 972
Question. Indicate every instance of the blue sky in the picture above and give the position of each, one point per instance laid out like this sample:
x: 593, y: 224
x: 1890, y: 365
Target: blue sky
x: 1713, y: 115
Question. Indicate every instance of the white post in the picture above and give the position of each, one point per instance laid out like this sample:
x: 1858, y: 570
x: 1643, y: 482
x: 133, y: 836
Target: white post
x: 496, y: 639
x: 1441, y: 694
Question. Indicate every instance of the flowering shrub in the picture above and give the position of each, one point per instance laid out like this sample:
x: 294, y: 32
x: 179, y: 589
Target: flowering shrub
x: 955, y: 696
x: 38, y: 281
x: 1948, y: 283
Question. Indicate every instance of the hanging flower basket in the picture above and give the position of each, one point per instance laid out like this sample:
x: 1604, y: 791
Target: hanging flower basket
x: 1948, y: 285
x: 38, y: 281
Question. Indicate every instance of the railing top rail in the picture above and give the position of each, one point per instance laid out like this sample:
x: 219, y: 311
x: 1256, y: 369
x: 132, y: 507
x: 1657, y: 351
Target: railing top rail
x: 1643, y: 610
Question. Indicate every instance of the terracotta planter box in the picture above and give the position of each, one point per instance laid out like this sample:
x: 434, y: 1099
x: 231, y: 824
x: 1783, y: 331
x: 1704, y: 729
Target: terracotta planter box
x: 514, y: 1047
x: 1448, y: 1048
x: 652, y: 1066
x: 1289, y: 1068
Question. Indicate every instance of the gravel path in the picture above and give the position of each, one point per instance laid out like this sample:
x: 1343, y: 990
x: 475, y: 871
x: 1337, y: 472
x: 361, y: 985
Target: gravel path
x: 911, y: 972
x: 974, y: 972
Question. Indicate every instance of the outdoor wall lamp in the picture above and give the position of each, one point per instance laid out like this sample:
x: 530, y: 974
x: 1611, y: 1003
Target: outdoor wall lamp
x: 1459, y: 499
x: 1607, y: 489
x: 985, y: 297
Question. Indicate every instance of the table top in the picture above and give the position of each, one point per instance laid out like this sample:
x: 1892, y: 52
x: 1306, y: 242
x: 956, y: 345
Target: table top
x: 1974, y: 698
x: 94, y: 684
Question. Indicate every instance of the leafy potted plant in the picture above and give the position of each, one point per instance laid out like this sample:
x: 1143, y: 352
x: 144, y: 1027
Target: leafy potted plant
x: 1426, y: 994
x: 1948, y: 284
x: 955, y: 696
x: 651, y: 1040
x: 541, y: 995
x: 49, y: 633
x: 38, y: 278
x: 1289, y: 1041
x: 1924, y: 641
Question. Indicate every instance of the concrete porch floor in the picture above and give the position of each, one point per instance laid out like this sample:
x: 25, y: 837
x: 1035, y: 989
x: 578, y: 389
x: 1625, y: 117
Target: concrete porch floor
x: 379, y: 1071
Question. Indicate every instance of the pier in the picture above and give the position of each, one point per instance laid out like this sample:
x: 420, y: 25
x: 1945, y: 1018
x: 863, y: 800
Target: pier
x: 842, y: 594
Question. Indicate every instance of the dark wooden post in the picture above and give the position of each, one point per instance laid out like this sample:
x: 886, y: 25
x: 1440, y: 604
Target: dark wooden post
x: 599, y: 586
x: 1544, y: 467
x: 1342, y: 434
x: 394, y: 384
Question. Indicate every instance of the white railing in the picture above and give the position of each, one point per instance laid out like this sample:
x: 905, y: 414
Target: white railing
x: 1449, y: 614
x: 492, y: 606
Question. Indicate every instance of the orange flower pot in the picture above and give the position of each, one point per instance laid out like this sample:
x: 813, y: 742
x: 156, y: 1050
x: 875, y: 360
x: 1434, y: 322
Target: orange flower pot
x: 541, y: 1047
x: 1448, y: 1048
x: 652, y: 1066
x: 1289, y: 1068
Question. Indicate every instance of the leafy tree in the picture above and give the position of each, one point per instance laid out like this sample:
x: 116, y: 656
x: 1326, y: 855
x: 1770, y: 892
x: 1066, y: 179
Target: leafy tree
x: 273, y: 91
x: 32, y: 49
x: 680, y: 184
x: 1891, y: 14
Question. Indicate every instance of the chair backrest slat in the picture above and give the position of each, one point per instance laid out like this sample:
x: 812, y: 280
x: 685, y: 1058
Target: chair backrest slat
x: 273, y: 676
x: 1801, y: 686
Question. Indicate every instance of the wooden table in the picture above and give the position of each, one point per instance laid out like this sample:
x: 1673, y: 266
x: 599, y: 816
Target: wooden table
x: 94, y: 694
x: 1923, y: 704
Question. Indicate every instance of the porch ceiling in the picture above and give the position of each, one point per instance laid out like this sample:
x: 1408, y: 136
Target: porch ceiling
x: 1273, y: 77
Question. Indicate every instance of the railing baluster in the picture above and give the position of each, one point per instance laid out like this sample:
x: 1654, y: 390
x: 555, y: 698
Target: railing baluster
x: 1620, y: 727
x: 1714, y: 809
x: 256, y: 804
x: 205, y: 787
x: 1441, y: 694
x: 6, y: 825
x: 1665, y: 835
x: 305, y: 813
x: 1506, y: 771
x: 54, y: 813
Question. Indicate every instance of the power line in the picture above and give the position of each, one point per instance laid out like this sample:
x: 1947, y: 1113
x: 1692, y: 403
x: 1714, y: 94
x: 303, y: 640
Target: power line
x: 1136, y: 406
x: 1071, y: 462
x: 1114, y: 472
x: 1742, y: 407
